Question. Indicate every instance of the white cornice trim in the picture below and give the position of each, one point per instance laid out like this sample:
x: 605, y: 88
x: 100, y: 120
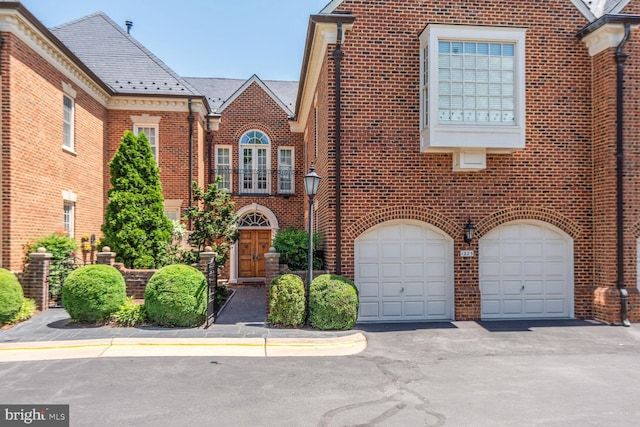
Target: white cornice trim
x: 605, y: 37
x: 156, y: 104
x: 618, y: 8
x: 332, y: 6
x: 584, y: 9
x: 325, y: 34
x: 214, y: 123
x: 12, y: 21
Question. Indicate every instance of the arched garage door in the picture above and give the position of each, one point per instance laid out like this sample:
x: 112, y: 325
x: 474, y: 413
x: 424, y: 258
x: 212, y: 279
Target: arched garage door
x: 526, y: 271
x: 404, y: 271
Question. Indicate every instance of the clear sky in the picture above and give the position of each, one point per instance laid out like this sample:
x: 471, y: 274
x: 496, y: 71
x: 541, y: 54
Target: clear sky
x: 205, y: 38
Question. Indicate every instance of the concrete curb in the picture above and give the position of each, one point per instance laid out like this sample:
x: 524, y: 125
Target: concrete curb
x: 183, y: 347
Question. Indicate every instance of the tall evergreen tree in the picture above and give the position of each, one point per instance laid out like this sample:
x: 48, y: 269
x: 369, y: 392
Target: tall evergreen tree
x: 135, y: 226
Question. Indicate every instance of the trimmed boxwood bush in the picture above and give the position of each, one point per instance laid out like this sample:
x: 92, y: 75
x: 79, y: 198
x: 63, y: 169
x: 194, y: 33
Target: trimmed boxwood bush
x: 11, y: 296
x: 176, y: 295
x: 333, y: 302
x: 286, y: 301
x: 93, y: 292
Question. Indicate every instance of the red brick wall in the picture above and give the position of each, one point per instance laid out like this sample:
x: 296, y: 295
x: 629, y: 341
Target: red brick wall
x: 35, y: 168
x: 173, y: 143
x: 382, y: 165
x: 254, y: 109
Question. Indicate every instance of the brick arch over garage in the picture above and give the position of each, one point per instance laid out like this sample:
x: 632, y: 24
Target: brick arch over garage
x: 426, y: 215
x: 549, y: 216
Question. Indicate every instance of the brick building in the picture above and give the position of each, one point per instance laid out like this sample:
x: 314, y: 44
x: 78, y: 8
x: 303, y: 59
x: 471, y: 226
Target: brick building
x: 434, y: 116
x: 426, y: 120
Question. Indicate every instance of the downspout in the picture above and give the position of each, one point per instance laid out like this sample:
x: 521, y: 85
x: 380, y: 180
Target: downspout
x: 338, y: 54
x: 210, y: 152
x: 1, y: 143
x: 190, y: 118
x: 621, y: 57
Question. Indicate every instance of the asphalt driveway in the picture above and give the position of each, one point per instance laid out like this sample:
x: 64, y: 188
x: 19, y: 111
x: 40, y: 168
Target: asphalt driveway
x: 564, y: 373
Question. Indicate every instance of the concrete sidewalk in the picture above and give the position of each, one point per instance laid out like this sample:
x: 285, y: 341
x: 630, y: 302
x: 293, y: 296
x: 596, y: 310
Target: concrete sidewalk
x: 240, y: 330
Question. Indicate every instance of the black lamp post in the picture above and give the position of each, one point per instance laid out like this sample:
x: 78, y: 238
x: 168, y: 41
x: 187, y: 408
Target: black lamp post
x: 469, y: 230
x: 311, y: 182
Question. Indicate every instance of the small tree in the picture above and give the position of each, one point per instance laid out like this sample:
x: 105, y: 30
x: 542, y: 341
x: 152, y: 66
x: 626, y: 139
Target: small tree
x: 213, y: 220
x: 135, y: 226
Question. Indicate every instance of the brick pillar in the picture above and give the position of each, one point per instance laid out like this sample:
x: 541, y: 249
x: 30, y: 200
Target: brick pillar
x: 106, y: 257
x: 205, y: 258
x: 272, y: 270
x: 35, y: 278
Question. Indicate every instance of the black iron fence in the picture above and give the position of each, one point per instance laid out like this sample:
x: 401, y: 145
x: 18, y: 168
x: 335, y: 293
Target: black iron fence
x: 212, y: 292
x: 58, y: 272
x: 258, y: 181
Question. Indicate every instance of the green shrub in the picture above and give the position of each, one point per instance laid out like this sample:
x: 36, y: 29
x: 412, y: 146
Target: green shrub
x: 333, y: 303
x: 286, y: 301
x: 93, y: 293
x: 25, y: 312
x: 176, y: 295
x: 61, y: 246
x: 292, y: 244
x: 130, y: 314
x: 11, y: 296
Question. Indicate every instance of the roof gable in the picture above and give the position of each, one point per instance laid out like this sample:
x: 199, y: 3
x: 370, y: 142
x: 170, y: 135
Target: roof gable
x: 221, y: 92
x: 118, y: 59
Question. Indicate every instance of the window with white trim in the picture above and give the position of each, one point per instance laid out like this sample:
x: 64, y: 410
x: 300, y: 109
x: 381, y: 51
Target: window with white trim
x: 151, y: 132
x: 223, y: 167
x: 68, y: 217
x: 285, y: 170
x: 172, y: 209
x: 68, y: 118
x: 472, y: 83
x: 255, y: 161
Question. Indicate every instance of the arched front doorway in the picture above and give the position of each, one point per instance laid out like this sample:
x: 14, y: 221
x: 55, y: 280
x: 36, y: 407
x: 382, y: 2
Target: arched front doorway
x: 257, y: 226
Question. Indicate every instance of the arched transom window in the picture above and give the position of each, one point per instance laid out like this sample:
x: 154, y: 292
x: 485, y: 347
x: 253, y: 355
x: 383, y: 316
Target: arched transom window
x: 254, y: 219
x: 254, y: 163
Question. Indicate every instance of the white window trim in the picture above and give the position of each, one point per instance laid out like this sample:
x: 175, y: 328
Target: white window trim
x: 217, y: 163
x: 173, y: 205
x: 70, y: 93
x: 69, y: 199
x: 453, y: 137
x: 241, y: 146
x: 293, y: 168
x: 147, y: 121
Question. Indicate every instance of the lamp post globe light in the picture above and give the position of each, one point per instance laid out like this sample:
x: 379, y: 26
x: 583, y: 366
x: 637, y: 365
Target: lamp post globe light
x: 311, y: 182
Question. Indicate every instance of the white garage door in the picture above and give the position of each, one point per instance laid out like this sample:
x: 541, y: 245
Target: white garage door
x: 526, y: 271
x: 403, y: 271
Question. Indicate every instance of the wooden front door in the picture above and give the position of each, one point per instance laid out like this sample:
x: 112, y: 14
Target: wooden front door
x: 252, y: 245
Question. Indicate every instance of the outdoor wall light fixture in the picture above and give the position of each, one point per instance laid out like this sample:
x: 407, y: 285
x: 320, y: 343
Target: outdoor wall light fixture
x: 311, y: 183
x: 469, y: 230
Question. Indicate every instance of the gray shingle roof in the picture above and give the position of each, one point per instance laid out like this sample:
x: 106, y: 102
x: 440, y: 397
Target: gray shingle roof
x: 118, y: 59
x: 218, y: 90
